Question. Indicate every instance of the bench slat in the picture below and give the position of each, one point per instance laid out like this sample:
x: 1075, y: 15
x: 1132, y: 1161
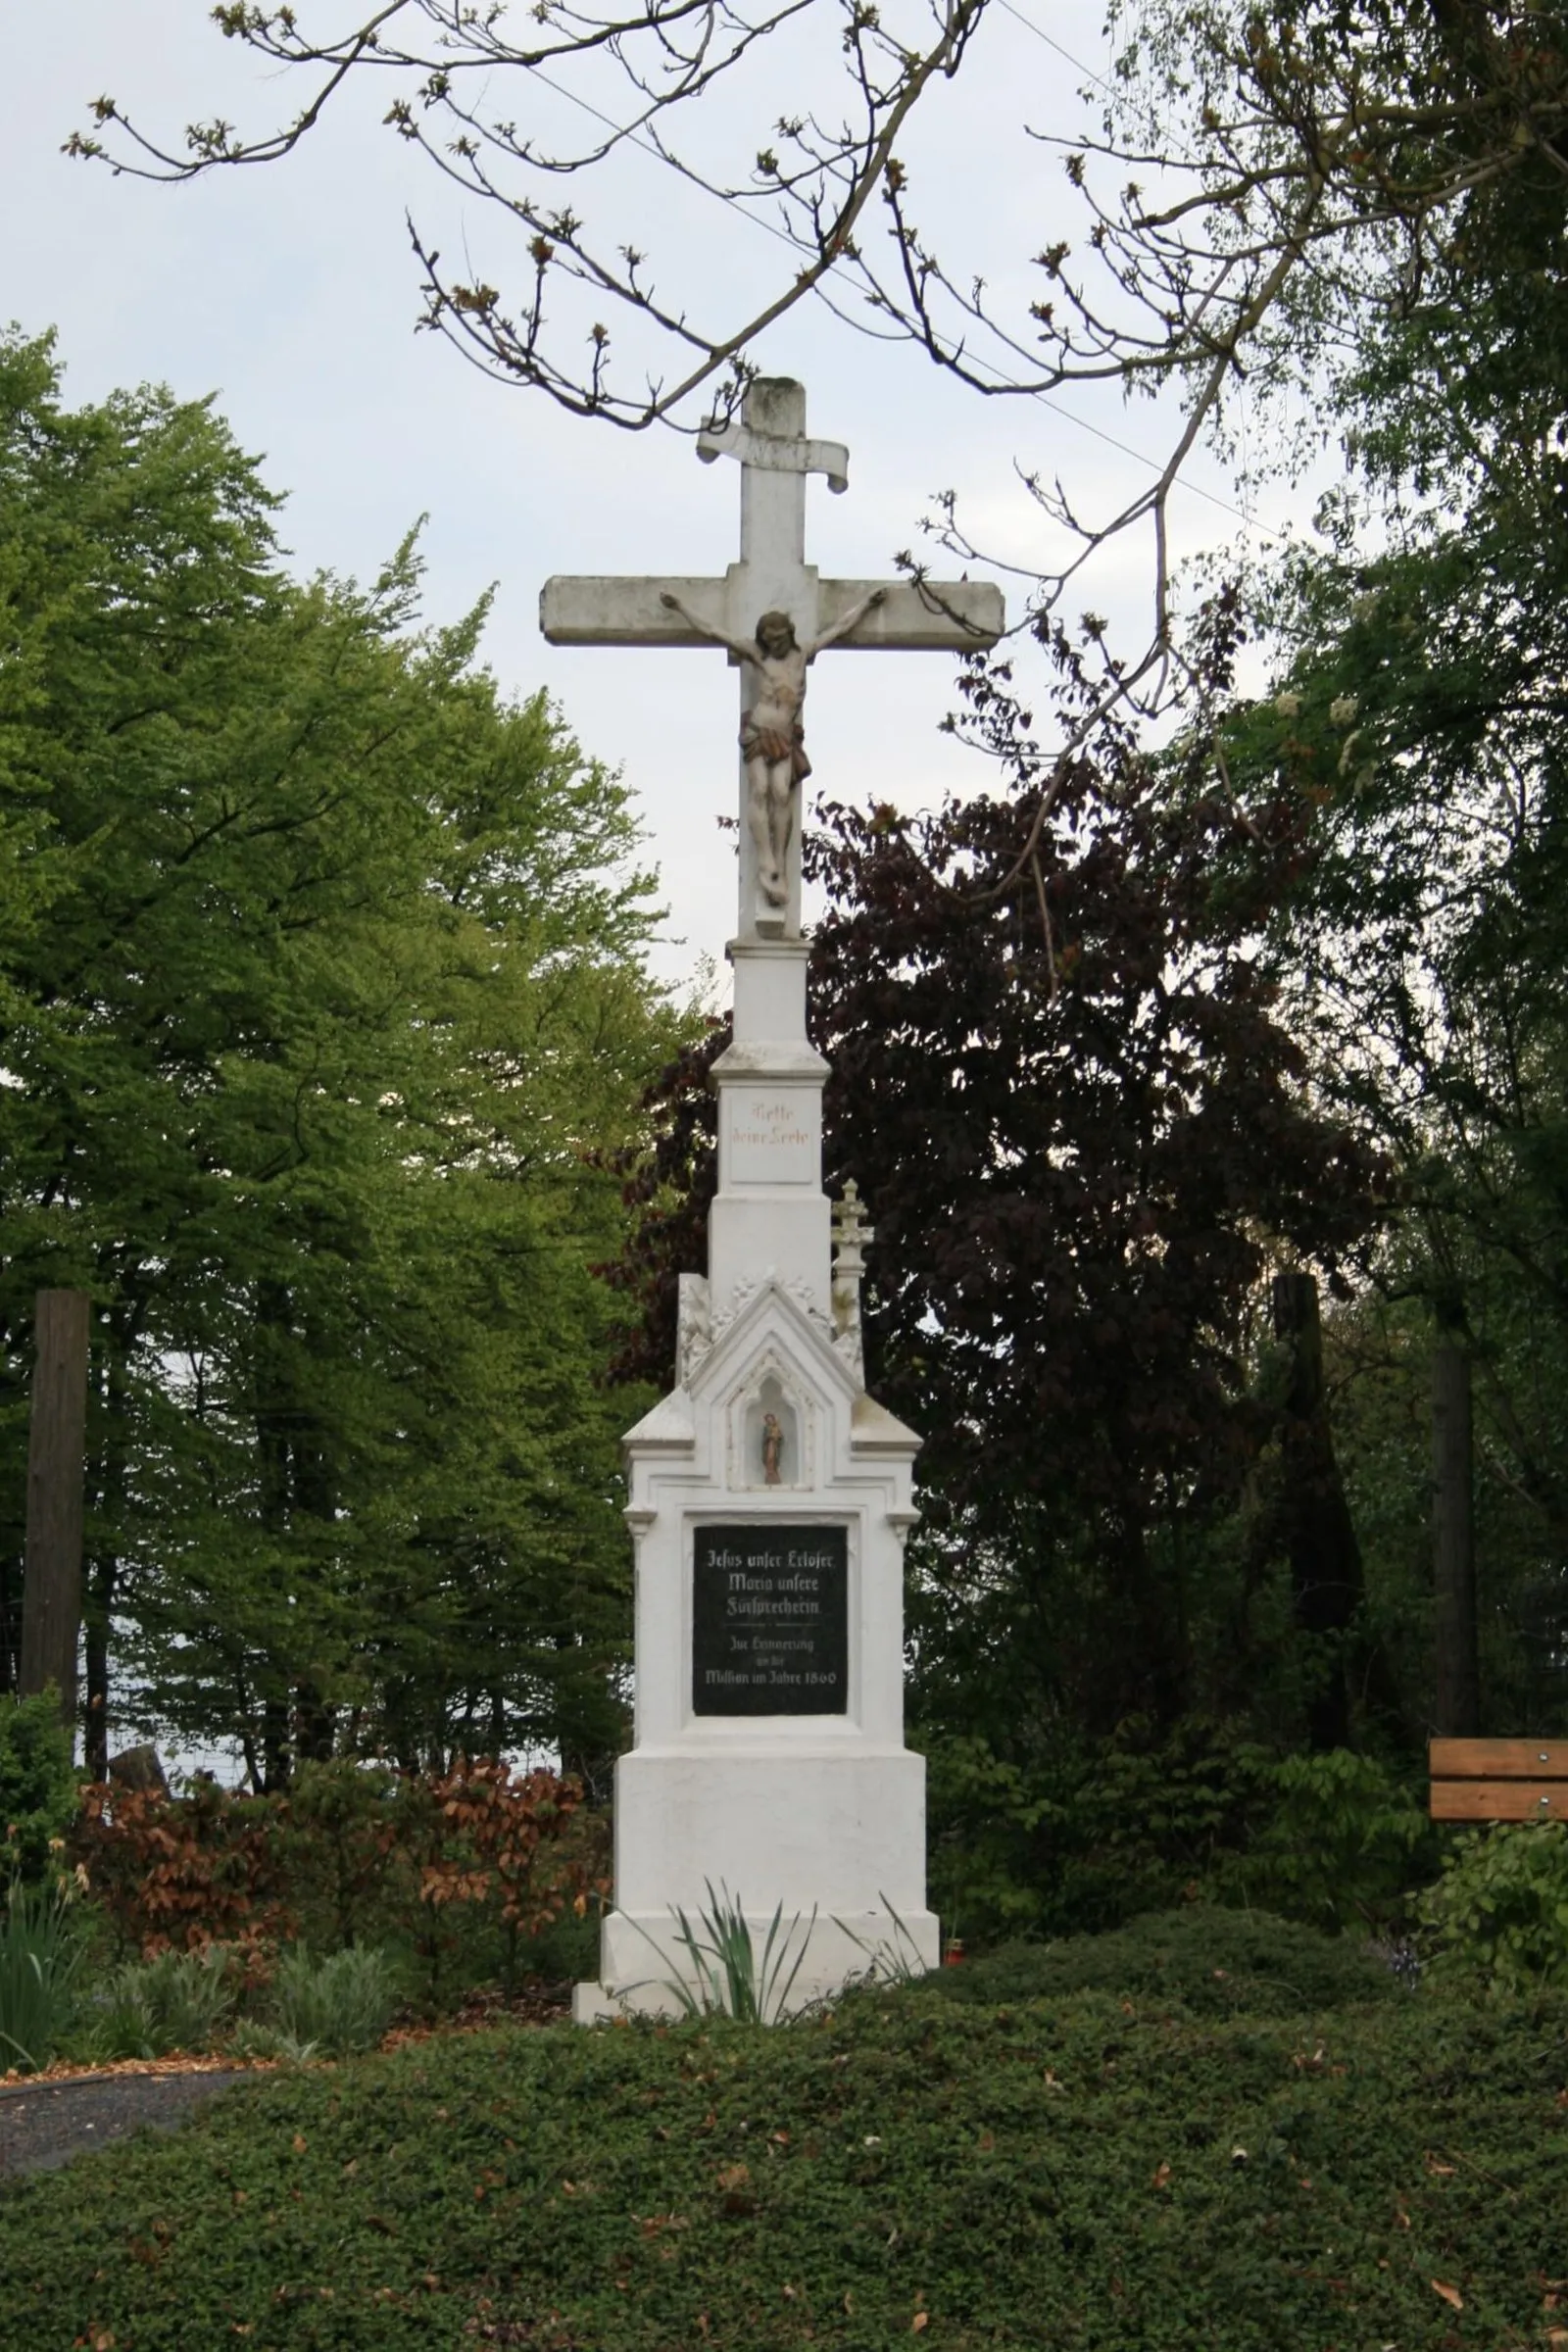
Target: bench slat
x: 1499, y: 1800
x: 1498, y: 1759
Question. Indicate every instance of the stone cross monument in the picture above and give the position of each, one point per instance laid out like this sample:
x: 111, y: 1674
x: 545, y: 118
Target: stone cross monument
x: 770, y: 1495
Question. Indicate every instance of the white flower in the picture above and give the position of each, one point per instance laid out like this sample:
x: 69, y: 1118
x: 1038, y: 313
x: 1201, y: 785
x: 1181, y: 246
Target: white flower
x: 1289, y: 705
x: 1343, y: 709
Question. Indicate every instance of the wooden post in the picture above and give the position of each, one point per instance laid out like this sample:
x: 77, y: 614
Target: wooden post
x: 51, y: 1592
x: 1458, y: 1679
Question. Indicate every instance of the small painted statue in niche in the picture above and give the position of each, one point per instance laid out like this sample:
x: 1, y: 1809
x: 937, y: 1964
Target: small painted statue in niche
x: 772, y: 1450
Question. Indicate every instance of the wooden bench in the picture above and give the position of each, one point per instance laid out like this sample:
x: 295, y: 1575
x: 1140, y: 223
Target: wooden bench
x: 1499, y: 1779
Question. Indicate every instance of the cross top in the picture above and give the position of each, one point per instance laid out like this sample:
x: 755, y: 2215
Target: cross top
x: 772, y: 614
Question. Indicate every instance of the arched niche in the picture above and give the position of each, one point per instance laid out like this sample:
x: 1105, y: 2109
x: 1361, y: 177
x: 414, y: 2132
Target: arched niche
x: 770, y: 1440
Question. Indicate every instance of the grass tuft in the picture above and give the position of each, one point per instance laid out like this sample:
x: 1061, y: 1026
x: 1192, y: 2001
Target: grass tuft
x: 40, y: 1955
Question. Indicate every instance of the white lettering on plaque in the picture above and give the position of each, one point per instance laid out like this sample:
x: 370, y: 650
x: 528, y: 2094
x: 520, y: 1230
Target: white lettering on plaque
x: 773, y: 1137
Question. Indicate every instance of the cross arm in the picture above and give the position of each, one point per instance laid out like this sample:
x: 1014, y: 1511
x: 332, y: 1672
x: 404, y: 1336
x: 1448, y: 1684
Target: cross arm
x: 938, y: 616
x: 607, y: 610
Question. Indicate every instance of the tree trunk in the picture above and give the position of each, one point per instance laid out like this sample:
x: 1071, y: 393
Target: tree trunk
x: 51, y: 1594
x: 1327, y: 1582
x: 271, y: 1406
x: 103, y: 1563
x: 10, y: 1621
x: 96, y: 1718
x: 1459, y: 1675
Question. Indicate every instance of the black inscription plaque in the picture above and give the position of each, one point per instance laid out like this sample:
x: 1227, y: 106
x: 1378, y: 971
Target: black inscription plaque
x: 770, y: 1621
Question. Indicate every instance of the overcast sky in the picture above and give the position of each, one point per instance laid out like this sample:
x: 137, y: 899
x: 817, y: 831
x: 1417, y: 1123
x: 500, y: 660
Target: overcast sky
x: 291, y: 293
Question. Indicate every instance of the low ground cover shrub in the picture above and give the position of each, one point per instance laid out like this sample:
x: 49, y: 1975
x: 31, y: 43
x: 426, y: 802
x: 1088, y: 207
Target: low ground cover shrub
x: 38, y: 1785
x: 1342, y: 1840
x: 175, y: 2001
x: 464, y: 1870
x: 183, y: 1871
x: 1054, y: 2172
x: 1204, y: 1959
x: 1499, y: 1912
x: 339, y: 2005
x: 246, y: 2000
x: 1082, y: 1836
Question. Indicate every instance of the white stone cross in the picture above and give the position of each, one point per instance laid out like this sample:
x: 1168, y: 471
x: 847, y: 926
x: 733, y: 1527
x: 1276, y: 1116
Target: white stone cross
x: 772, y: 576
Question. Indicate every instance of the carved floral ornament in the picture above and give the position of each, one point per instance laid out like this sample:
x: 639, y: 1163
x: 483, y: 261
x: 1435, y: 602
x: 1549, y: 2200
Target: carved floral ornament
x: 699, y: 1330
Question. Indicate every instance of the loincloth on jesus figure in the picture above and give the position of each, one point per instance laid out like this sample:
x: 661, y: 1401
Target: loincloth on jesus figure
x: 775, y: 745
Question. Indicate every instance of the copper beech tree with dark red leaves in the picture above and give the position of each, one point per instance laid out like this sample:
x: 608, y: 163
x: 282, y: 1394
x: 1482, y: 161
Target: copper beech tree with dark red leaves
x: 1060, y: 1083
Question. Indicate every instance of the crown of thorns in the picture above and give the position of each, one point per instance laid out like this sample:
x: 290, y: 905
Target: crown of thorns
x: 776, y: 620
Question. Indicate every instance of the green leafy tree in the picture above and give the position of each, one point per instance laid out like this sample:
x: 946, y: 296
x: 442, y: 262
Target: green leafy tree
x: 1418, y: 713
x: 325, y: 983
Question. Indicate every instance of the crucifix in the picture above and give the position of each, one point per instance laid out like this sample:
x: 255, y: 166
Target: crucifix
x: 769, y: 1495
x: 772, y: 614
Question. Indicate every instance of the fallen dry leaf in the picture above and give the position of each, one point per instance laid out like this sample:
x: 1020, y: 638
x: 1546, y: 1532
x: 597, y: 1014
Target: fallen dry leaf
x: 1450, y: 2294
x: 1161, y: 2178
x: 734, y: 2176
x: 301, y: 2144
x: 921, y: 2321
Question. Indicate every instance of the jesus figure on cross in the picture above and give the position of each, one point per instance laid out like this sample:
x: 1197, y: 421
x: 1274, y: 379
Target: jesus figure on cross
x: 772, y: 731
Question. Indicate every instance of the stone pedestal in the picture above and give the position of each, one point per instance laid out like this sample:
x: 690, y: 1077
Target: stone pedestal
x: 770, y: 1497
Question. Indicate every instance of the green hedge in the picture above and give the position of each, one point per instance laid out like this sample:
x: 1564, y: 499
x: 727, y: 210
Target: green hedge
x: 1091, y: 2173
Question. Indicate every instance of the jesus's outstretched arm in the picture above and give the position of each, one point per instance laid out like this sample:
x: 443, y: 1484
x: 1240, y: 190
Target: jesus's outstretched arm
x: 742, y: 649
x: 848, y: 620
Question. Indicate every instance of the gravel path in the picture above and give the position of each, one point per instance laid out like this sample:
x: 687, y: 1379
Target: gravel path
x: 45, y: 2124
